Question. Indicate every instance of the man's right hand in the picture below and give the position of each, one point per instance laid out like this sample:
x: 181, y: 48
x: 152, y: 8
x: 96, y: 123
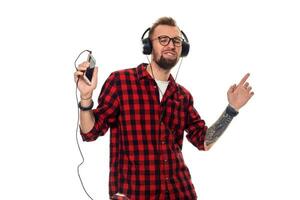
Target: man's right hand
x: 86, y: 90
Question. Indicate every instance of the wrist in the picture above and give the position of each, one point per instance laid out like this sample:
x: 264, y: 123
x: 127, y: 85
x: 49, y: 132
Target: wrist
x: 86, y: 102
x: 86, y: 97
x: 234, y: 107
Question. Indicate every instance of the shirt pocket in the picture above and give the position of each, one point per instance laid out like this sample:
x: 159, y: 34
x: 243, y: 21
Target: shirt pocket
x: 174, y: 115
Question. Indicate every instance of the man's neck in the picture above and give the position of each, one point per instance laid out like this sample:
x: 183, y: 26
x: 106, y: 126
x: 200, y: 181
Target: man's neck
x: 159, y: 73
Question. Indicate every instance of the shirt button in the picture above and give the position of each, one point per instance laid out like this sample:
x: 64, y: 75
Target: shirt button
x: 163, y: 142
x: 167, y: 178
x: 165, y: 161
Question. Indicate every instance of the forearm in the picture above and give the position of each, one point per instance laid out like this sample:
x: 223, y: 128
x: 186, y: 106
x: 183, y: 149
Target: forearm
x: 87, y: 118
x: 214, y: 132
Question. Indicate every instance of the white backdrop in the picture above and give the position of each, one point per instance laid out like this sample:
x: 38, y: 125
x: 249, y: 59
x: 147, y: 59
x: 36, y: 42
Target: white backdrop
x: 256, y: 158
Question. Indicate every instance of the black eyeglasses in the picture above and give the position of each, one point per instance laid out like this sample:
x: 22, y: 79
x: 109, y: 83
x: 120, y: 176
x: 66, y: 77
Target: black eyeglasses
x: 164, y: 40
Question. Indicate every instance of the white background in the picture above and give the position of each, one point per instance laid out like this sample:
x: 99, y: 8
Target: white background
x: 256, y: 158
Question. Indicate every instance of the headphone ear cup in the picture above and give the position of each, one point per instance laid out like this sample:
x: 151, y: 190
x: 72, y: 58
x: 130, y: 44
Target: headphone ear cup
x: 185, y: 49
x: 147, y: 46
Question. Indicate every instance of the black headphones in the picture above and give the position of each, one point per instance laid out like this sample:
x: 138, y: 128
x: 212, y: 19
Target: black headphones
x: 147, y: 45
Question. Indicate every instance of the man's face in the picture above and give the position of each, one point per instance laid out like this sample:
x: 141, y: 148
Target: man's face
x: 166, y: 56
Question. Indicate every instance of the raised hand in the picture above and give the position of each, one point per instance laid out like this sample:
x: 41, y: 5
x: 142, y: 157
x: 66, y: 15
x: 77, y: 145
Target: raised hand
x: 85, y: 89
x: 239, y: 95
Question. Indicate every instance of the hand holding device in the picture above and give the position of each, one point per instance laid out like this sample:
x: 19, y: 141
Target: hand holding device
x: 88, y: 74
x: 86, y: 77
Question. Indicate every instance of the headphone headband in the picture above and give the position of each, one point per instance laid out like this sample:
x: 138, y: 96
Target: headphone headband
x: 148, y: 29
x: 147, y: 44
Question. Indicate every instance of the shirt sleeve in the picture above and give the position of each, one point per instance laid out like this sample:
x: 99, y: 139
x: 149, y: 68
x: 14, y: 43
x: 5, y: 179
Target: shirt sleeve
x: 107, y: 110
x: 195, y: 126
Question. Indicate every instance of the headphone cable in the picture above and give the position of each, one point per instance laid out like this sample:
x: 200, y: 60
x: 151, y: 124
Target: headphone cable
x: 77, y: 126
x: 176, y: 72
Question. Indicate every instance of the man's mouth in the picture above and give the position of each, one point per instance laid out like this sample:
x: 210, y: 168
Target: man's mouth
x: 170, y: 53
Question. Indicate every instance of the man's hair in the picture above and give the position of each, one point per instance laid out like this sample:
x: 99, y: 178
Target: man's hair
x: 162, y: 21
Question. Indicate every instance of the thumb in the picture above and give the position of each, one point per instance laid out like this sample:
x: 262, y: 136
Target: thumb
x: 232, y: 88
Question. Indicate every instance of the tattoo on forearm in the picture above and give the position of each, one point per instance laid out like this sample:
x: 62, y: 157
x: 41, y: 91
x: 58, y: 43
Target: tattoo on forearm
x: 218, y: 128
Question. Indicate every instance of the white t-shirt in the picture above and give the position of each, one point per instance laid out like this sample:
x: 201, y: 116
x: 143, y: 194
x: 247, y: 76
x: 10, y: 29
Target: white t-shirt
x: 162, y: 87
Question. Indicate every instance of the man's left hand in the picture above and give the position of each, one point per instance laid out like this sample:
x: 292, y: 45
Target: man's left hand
x: 239, y: 95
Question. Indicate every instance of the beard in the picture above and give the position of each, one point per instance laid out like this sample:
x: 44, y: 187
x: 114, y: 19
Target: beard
x: 165, y: 63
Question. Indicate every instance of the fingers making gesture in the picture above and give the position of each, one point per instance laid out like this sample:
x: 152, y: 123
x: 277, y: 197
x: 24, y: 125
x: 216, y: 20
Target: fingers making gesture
x: 239, y: 95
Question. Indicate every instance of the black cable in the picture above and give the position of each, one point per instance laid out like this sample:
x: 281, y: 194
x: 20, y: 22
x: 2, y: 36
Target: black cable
x: 77, y: 126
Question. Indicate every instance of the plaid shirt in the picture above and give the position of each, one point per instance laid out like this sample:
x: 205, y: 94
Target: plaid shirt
x: 146, y: 135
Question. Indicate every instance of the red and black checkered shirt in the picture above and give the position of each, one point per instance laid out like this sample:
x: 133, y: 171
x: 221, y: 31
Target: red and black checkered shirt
x: 146, y: 135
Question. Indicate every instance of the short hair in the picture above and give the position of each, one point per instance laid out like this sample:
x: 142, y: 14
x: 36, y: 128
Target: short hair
x: 162, y: 21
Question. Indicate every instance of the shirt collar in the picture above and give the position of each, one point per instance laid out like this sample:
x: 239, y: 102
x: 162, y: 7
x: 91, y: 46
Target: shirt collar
x: 143, y: 73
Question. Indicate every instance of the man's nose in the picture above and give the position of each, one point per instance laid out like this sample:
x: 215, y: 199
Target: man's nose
x: 171, y: 44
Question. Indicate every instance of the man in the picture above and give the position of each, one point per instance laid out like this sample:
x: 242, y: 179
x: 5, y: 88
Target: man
x: 147, y: 113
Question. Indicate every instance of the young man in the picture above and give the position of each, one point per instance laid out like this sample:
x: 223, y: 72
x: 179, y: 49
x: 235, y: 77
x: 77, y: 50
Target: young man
x: 147, y: 113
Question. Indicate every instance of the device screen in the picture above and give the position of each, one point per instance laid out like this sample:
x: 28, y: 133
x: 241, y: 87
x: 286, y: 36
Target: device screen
x: 89, y: 71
